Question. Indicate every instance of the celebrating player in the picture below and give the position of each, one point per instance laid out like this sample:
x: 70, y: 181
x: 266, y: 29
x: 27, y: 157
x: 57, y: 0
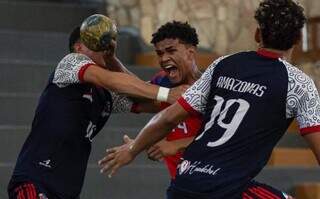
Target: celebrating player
x: 247, y: 101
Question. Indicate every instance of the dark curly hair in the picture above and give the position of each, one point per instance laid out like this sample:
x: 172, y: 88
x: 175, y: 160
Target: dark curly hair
x: 74, y: 37
x: 176, y: 30
x: 280, y: 23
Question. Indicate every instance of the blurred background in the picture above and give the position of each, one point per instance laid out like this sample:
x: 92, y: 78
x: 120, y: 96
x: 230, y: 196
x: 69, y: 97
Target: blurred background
x: 34, y: 37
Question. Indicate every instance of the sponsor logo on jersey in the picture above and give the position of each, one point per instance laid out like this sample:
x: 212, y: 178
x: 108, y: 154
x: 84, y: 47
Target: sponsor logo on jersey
x: 88, y: 97
x: 45, y: 163
x: 90, y: 130
x: 189, y: 168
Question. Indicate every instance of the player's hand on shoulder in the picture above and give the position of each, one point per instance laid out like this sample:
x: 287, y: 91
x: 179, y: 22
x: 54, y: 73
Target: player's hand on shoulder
x: 176, y: 92
x: 116, y: 157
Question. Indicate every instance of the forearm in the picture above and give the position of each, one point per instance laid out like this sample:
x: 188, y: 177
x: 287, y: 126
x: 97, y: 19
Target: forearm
x: 120, y: 83
x: 182, y: 144
x: 158, y: 128
x: 148, y: 136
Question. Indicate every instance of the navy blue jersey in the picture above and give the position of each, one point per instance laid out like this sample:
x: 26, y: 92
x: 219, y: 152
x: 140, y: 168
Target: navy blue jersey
x: 248, y: 101
x: 69, y: 114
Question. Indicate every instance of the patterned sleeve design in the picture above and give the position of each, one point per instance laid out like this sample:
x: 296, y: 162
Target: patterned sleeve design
x: 69, y: 69
x: 303, y: 100
x: 197, y: 95
x: 121, y: 104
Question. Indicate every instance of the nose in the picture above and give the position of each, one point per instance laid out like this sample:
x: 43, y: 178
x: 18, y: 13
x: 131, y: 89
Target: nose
x: 164, y: 58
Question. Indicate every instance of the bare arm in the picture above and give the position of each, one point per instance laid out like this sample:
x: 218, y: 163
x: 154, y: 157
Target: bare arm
x: 167, y: 148
x: 127, y: 84
x: 158, y: 127
x: 313, y: 140
x: 182, y: 144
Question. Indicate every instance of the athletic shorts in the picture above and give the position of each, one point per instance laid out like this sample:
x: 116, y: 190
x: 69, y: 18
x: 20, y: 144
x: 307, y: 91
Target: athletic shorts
x: 27, y: 190
x: 254, y: 190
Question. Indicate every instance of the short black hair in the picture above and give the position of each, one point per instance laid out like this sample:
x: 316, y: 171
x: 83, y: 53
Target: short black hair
x: 74, y: 38
x: 280, y: 23
x: 176, y: 30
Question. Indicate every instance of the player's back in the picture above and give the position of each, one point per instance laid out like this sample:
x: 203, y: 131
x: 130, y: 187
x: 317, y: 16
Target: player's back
x: 247, y: 111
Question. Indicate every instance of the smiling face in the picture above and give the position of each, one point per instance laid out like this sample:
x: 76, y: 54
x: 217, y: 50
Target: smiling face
x: 176, y: 59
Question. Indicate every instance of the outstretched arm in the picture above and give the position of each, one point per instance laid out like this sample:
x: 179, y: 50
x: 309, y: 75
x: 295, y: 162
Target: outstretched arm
x: 128, y: 84
x: 158, y: 127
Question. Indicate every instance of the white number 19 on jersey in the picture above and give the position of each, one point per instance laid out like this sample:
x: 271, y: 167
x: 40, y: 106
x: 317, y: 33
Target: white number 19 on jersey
x: 232, y: 126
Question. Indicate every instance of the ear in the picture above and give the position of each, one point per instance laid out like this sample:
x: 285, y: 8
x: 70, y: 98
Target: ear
x: 257, y: 35
x: 192, y: 51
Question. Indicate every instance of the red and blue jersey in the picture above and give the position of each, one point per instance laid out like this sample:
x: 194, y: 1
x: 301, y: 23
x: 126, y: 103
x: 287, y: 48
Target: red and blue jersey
x: 247, y: 101
x: 188, y: 128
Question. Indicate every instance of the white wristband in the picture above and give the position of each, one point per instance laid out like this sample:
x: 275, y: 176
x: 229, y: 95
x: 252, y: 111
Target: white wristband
x: 163, y: 94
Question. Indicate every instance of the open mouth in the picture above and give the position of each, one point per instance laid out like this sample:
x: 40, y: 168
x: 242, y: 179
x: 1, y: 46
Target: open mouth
x: 171, y: 70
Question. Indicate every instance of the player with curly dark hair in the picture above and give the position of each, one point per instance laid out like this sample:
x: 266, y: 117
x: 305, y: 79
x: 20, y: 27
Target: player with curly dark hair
x: 176, y: 30
x: 280, y: 23
x: 247, y: 101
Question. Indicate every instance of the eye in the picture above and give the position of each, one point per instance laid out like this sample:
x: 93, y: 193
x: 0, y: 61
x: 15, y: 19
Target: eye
x: 171, y: 51
x: 159, y: 53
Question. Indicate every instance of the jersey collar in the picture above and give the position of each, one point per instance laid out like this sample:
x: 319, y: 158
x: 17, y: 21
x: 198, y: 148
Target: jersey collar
x: 268, y: 54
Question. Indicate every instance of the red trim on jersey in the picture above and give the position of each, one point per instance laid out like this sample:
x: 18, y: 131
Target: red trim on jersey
x: 310, y: 130
x: 33, y: 191
x: 20, y: 194
x: 83, y: 70
x: 246, y: 196
x: 135, y: 108
x: 28, y: 191
x: 186, y: 106
x: 263, y: 193
x: 268, y: 54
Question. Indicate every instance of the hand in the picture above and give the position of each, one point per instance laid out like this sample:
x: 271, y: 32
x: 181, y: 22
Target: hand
x: 109, y: 53
x: 117, y: 157
x: 162, y: 149
x: 176, y: 92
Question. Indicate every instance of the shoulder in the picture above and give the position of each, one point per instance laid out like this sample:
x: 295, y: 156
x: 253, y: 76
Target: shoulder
x: 74, y: 59
x: 68, y: 70
x: 297, y: 79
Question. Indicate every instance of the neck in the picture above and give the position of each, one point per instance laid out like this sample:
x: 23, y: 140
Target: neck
x: 285, y: 54
x: 195, y: 75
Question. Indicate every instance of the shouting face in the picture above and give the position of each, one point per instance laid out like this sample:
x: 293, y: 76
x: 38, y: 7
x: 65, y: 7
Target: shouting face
x: 176, y: 59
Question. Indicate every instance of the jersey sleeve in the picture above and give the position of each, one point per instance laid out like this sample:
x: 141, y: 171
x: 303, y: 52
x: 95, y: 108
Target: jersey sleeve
x: 303, y: 101
x: 121, y: 104
x: 194, y: 100
x: 70, y: 69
